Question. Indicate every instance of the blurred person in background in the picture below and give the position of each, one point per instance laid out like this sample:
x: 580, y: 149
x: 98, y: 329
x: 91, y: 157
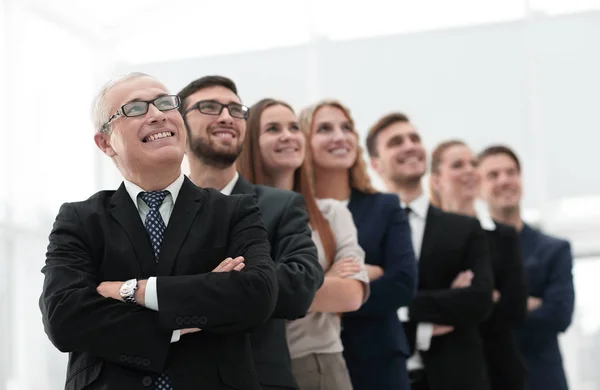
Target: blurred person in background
x: 215, y: 120
x: 548, y: 264
x: 134, y: 310
x: 454, y: 183
x: 455, y: 279
x: 274, y: 154
x: 375, y: 345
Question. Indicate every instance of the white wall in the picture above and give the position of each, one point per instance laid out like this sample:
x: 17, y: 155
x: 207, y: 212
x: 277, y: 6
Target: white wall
x: 508, y: 82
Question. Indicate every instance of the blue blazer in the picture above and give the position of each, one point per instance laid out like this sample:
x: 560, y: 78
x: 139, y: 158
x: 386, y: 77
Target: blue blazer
x: 384, y: 233
x: 548, y: 268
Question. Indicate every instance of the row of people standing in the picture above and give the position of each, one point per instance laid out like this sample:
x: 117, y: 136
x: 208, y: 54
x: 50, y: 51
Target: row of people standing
x: 332, y: 318
x: 472, y: 294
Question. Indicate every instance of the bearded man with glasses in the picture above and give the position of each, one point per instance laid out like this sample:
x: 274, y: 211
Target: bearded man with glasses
x: 157, y: 284
x: 215, y: 120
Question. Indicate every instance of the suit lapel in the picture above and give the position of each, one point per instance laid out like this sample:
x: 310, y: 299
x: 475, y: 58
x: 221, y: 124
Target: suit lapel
x: 242, y: 187
x: 431, y: 234
x: 126, y: 214
x: 356, y: 205
x: 184, y: 212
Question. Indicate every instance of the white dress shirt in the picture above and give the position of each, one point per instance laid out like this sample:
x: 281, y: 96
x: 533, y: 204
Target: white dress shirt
x: 417, y: 219
x: 229, y: 187
x: 166, y: 208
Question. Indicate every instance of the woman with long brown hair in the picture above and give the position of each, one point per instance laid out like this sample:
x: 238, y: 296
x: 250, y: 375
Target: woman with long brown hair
x: 375, y: 346
x: 454, y: 185
x: 274, y: 154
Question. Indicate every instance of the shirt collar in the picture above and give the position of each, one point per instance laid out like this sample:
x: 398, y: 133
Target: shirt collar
x: 484, y: 216
x: 418, y: 206
x: 134, y: 190
x: 229, y: 187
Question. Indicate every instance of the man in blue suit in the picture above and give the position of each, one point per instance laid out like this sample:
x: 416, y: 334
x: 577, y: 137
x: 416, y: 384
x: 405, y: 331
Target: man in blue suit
x: 548, y: 265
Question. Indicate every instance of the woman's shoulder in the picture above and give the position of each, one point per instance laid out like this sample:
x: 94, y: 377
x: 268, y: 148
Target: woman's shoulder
x: 330, y: 207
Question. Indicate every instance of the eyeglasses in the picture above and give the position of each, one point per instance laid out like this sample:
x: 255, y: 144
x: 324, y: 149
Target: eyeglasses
x: 140, y: 107
x: 212, y: 107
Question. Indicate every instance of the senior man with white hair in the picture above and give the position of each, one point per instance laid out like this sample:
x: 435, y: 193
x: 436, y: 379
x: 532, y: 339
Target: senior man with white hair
x: 156, y: 284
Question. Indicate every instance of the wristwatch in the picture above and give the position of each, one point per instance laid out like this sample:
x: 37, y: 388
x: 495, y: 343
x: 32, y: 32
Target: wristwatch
x: 127, y: 290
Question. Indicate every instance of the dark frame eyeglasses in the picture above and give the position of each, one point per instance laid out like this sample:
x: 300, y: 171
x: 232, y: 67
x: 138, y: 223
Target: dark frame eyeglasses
x: 141, y: 107
x: 213, y: 107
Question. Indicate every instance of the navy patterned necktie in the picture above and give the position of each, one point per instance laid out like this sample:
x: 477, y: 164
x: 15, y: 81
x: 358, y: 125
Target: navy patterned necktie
x: 155, y: 226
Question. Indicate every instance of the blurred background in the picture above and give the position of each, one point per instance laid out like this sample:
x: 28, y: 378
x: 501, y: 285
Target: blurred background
x: 524, y: 73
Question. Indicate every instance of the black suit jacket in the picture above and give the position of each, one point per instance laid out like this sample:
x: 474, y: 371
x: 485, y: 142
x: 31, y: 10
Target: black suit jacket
x: 114, y: 345
x: 453, y: 243
x: 374, y: 332
x: 505, y: 364
x: 299, y: 275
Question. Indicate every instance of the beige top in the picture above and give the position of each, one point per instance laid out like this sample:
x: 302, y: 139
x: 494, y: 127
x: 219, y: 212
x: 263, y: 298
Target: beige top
x: 320, y: 332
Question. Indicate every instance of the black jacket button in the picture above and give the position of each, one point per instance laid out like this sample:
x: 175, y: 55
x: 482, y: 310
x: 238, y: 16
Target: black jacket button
x: 147, y: 381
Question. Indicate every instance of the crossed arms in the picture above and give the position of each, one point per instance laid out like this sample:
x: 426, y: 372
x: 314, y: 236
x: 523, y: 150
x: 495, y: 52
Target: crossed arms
x: 77, y: 318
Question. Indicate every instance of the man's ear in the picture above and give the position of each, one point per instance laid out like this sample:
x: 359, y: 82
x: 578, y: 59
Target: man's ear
x: 103, y: 142
x: 374, y: 162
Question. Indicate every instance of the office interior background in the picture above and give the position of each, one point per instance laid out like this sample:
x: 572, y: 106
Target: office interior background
x: 521, y: 72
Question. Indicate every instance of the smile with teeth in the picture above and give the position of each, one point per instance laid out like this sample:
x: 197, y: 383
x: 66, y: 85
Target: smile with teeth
x: 339, y: 151
x: 157, y: 136
x: 410, y: 160
x: 224, y: 134
x: 287, y: 149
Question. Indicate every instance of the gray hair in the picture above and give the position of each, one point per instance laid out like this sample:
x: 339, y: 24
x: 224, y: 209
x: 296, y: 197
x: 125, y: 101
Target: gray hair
x: 100, y: 106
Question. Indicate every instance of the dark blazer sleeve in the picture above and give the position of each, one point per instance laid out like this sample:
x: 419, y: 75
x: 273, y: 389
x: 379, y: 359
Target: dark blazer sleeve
x: 299, y: 273
x: 226, y: 301
x: 512, y: 306
x: 558, y: 299
x: 77, y: 318
x: 397, y: 286
x: 462, y: 306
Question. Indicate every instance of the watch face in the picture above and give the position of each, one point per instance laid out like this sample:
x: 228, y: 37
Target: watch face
x: 128, y: 287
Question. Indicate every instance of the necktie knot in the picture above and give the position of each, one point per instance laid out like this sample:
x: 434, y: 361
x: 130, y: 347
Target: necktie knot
x: 154, y: 198
x: 407, y: 210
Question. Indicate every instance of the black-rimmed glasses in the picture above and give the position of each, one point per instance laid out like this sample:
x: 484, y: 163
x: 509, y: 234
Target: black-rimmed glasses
x: 212, y: 107
x: 140, y: 107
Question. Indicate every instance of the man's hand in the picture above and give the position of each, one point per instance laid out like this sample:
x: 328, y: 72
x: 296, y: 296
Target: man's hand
x: 496, y: 296
x: 374, y: 272
x: 343, y: 268
x: 440, y: 330
x: 110, y: 290
x: 463, y: 279
x: 533, y: 303
x: 230, y: 264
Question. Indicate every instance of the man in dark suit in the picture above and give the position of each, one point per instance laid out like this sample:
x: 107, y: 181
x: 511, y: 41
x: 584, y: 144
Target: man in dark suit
x: 455, y: 281
x: 115, y: 258
x: 548, y: 267
x: 216, y: 126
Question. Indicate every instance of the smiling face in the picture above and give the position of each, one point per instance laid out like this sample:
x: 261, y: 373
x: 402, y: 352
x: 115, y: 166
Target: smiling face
x: 141, y: 144
x: 216, y: 140
x: 282, y: 144
x: 500, y: 182
x: 457, y: 178
x: 401, y: 157
x: 334, y: 142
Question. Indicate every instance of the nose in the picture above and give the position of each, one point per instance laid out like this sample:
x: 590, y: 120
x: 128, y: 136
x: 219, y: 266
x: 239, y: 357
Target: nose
x: 155, y: 115
x: 225, y: 116
x: 285, y: 135
x: 338, y: 134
